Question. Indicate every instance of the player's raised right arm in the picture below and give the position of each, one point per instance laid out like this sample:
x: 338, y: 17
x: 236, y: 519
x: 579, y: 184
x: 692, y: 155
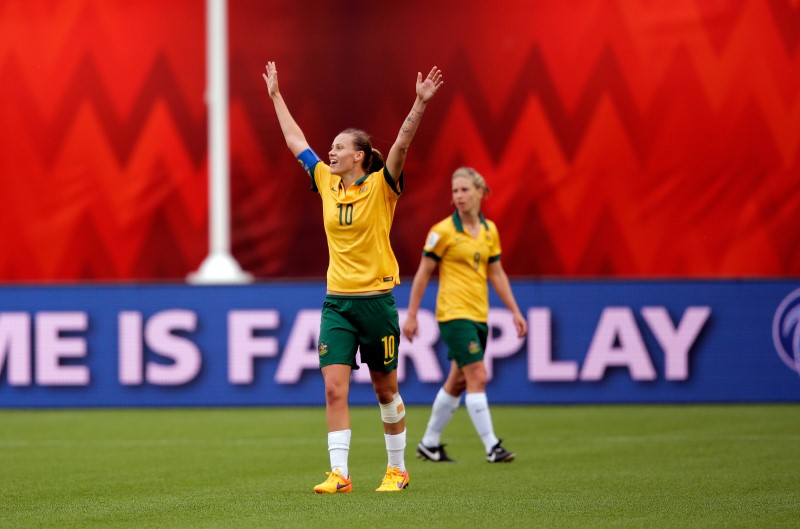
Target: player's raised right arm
x: 294, y: 137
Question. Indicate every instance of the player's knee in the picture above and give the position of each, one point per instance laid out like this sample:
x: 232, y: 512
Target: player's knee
x: 394, y: 411
x: 475, y: 377
x: 335, y: 393
x: 456, y: 386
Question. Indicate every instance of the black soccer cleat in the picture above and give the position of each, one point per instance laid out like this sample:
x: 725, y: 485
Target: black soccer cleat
x: 435, y: 454
x: 498, y: 454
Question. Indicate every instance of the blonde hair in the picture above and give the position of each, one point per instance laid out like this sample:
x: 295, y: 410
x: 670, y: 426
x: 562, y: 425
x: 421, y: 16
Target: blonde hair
x: 474, y: 176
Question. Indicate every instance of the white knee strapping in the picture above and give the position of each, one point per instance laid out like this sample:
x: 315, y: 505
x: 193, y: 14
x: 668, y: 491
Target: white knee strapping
x: 394, y: 411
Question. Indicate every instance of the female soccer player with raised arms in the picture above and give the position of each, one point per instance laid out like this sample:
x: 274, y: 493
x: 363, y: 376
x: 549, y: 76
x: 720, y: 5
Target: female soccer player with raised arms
x: 359, y: 194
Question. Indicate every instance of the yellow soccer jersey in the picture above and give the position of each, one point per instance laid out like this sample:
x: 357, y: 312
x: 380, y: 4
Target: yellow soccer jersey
x: 463, y: 259
x: 357, y: 224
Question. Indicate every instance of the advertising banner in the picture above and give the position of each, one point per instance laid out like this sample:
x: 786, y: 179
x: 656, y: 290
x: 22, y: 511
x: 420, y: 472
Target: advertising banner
x: 164, y: 345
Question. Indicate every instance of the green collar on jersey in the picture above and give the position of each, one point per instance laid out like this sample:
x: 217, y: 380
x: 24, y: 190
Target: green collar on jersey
x: 460, y: 226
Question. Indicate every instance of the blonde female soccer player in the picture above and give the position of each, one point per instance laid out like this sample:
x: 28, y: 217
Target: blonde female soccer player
x: 359, y: 193
x: 466, y: 246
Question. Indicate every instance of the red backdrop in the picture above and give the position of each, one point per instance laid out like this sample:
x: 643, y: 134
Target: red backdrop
x: 621, y: 138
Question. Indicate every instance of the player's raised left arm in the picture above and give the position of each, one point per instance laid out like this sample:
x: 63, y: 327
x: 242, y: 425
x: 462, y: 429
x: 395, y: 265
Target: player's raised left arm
x: 426, y: 89
x: 501, y: 284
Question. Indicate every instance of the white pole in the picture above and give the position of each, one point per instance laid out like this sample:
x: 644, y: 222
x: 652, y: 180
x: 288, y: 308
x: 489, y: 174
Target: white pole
x: 219, y: 266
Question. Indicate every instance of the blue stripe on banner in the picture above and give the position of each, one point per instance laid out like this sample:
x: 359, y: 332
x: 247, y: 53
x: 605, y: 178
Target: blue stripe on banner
x: 588, y: 342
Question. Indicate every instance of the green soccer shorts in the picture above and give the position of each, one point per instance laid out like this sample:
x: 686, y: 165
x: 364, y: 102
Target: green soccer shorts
x: 366, y: 323
x: 465, y: 340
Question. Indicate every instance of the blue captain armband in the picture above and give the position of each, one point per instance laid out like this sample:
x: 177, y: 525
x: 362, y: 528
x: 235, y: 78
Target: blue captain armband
x: 308, y: 159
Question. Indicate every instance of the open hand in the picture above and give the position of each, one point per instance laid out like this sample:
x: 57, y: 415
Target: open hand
x: 271, y: 78
x: 427, y: 89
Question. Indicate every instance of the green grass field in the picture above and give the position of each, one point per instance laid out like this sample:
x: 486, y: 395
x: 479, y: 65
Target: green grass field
x: 693, y: 466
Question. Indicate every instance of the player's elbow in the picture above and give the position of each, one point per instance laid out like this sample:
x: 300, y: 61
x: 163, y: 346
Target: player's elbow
x: 296, y: 145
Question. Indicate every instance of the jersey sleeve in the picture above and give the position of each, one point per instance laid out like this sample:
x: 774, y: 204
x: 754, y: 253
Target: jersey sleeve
x: 495, y: 249
x: 435, y: 244
x: 309, y: 161
x: 395, y: 187
x: 391, y: 190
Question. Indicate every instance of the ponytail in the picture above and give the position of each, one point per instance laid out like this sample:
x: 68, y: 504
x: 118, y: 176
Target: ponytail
x: 376, y: 162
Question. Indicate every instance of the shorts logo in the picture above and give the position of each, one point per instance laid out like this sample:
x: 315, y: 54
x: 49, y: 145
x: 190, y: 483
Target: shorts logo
x: 322, y: 348
x: 474, y: 348
x: 786, y: 330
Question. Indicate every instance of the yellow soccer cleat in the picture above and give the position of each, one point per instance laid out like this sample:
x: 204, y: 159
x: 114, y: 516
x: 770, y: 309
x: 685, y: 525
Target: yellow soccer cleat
x: 335, y: 483
x: 395, y: 480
